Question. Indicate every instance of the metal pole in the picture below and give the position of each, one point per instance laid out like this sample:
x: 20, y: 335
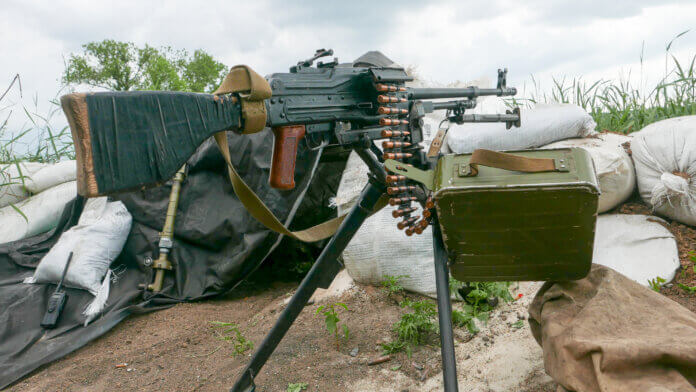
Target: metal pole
x: 324, y: 269
x: 444, y: 311
x: 467, y: 92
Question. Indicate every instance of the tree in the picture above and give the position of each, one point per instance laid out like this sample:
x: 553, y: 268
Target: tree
x: 122, y: 66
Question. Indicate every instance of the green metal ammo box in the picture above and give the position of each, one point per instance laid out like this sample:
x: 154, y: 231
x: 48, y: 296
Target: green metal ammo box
x: 502, y: 224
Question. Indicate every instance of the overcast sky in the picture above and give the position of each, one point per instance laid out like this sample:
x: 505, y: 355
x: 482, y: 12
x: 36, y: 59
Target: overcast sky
x: 446, y: 40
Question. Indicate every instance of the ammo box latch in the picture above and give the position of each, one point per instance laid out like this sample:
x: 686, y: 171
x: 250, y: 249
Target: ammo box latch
x: 562, y: 164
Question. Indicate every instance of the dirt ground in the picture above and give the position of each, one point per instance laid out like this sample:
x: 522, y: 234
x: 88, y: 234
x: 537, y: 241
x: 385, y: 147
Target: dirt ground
x: 179, y: 349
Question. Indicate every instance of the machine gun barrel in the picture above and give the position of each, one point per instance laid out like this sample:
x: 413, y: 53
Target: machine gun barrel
x: 467, y: 92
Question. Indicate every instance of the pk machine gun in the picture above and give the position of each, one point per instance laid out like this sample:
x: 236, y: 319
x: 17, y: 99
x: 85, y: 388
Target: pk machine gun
x: 127, y: 140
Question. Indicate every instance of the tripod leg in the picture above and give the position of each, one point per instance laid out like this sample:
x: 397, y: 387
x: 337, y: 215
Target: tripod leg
x: 444, y: 311
x: 324, y: 269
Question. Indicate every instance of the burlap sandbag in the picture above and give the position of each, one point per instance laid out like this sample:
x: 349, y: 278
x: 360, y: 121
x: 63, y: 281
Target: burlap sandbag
x: 608, y: 333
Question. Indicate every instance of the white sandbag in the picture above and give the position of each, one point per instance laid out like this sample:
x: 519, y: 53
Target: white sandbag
x: 42, y: 213
x: 664, y: 154
x: 613, y: 166
x: 352, y: 183
x: 637, y: 246
x: 379, y: 249
x: 51, y: 175
x: 541, y: 125
x: 95, y: 241
x: 13, y: 177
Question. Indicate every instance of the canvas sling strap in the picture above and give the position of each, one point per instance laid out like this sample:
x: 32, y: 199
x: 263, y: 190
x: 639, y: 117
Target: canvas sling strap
x: 501, y: 160
x: 260, y: 211
x: 253, y: 89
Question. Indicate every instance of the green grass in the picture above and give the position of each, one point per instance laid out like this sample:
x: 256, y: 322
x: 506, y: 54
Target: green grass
x: 656, y: 283
x: 688, y: 289
x: 392, y: 285
x: 418, y: 326
x: 619, y: 105
x: 37, y: 140
x: 229, y: 332
x: 296, y: 387
x: 415, y: 328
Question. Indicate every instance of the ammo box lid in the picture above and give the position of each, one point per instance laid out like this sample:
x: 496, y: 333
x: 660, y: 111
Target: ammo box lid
x: 451, y: 170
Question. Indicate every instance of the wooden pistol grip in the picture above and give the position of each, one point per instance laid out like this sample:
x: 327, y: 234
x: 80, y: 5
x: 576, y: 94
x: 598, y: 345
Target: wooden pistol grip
x: 284, y: 155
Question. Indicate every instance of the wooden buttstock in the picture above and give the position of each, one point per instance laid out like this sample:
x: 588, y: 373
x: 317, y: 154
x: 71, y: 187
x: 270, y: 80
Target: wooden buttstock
x: 284, y: 156
x: 130, y: 140
x: 75, y: 108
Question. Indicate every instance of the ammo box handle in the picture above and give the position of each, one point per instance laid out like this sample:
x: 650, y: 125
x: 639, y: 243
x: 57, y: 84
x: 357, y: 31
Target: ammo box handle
x: 501, y: 160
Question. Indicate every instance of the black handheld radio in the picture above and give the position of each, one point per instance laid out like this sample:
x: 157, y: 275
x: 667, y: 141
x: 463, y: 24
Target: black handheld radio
x: 57, y: 301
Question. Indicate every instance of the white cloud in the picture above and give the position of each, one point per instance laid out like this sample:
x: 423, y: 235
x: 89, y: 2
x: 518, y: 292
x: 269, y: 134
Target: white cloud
x: 447, y: 40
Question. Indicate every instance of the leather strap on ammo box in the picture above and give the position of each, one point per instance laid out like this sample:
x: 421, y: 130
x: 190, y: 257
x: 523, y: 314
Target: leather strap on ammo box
x: 501, y: 160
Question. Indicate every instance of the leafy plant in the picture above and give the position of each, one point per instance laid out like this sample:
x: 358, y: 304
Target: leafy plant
x: 454, y: 286
x: 518, y: 324
x: 656, y: 283
x: 464, y: 319
x: 483, y: 296
x: 296, y: 387
x: 391, y: 284
x: 331, y: 320
x: 692, y: 257
x: 414, y: 328
x: 233, y: 335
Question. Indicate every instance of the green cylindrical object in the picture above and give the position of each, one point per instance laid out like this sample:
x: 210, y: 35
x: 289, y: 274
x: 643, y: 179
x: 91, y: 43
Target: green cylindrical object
x: 167, y: 235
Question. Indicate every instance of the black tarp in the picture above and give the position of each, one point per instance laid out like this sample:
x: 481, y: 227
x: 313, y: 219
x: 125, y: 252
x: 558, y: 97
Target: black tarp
x: 217, y: 244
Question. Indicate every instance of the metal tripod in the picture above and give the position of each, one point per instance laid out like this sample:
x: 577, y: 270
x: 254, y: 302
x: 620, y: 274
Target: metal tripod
x: 327, y: 266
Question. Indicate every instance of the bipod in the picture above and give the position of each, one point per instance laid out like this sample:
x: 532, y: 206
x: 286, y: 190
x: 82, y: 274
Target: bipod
x: 327, y: 267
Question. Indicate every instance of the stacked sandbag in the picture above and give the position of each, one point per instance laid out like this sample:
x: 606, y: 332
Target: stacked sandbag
x: 13, y: 177
x: 379, y: 249
x: 540, y: 126
x: 95, y: 242
x: 37, y: 214
x: 664, y: 154
x: 20, y: 180
x: 613, y: 166
x: 32, y: 197
x: 51, y: 175
x: 638, y: 246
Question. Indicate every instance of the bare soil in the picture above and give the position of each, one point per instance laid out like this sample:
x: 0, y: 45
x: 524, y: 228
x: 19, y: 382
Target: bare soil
x: 179, y: 349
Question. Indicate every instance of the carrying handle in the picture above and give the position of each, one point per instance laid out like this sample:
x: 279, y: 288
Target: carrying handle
x: 501, y: 160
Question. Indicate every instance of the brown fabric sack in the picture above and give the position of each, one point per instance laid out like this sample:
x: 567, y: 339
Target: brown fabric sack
x: 608, y: 333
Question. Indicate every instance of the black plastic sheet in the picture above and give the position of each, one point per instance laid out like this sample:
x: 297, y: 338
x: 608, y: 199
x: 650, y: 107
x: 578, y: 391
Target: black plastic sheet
x: 217, y: 244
